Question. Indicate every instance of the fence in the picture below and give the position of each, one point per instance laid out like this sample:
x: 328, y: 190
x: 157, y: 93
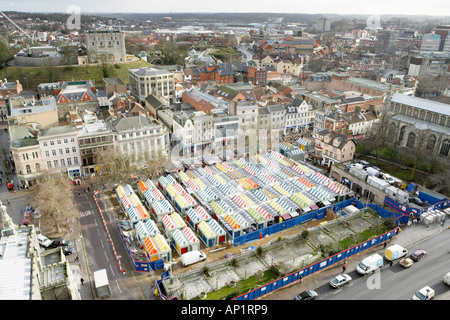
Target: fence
x: 318, y: 266
x: 275, y: 228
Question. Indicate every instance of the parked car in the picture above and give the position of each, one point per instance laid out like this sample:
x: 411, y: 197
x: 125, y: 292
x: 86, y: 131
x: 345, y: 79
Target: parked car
x: 59, y: 242
x: 44, y: 241
x: 340, y: 280
x: 68, y: 250
x: 418, y: 254
x: 364, y: 163
x: 416, y: 200
x: 406, y: 263
x: 447, y: 278
x: 426, y: 293
x: 306, y: 295
x: 26, y: 218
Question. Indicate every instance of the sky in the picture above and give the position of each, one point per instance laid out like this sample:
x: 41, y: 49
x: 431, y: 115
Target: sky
x: 365, y: 7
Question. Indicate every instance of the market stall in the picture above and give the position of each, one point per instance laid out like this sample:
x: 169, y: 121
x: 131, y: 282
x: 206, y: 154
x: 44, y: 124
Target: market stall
x: 194, y: 243
x: 164, y: 249
x: 218, y: 230
x: 151, y: 249
x: 168, y: 225
x: 180, y: 242
x: 207, y: 235
x: 195, y: 215
x: 301, y: 200
x: 248, y: 183
x: 160, y: 208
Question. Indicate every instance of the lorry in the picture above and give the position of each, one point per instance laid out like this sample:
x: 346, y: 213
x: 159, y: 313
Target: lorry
x: 398, y: 195
x: 370, y: 264
x: 378, y: 183
x: 102, y: 284
x: 192, y: 257
x: 395, y: 252
x: 372, y: 171
x: 359, y: 173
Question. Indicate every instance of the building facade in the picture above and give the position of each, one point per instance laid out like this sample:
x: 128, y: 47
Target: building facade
x: 106, y: 46
x: 147, y: 81
x: 60, y: 150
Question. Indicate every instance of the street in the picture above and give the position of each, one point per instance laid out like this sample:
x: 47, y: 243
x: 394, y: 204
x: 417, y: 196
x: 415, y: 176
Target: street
x: 392, y: 282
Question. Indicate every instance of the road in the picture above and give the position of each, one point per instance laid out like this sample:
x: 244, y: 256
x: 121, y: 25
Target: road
x: 97, y: 250
x: 398, y: 283
x: 392, y: 282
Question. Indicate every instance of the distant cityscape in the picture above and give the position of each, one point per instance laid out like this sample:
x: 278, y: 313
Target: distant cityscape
x: 323, y: 91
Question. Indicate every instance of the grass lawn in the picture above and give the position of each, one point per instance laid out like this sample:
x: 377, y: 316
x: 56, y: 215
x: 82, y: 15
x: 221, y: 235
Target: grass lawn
x: 31, y: 77
x: 362, y: 236
x: 243, y: 286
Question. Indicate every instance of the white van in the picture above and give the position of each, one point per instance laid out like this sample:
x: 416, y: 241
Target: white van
x: 370, y: 264
x: 395, y: 252
x: 192, y: 257
x: 447, y: 278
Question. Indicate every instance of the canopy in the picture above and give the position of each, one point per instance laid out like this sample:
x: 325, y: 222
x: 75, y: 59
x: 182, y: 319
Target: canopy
x: 183, y: 176
x: 256, y: 215
x: 179, y: 238
x: 305, y: 182
x: 179, y: 189
x: 207, y: 195
x: 248, y: 183
x: 206, y: 229
x: 301, y: 200
x: 125, y: 202
x: 263, y: 213
x: 151, y: 226
x: 162, y: 243
x: 134, y: 200
x: 150, y: 246
x: 266, y: 178
x: 318, y: 177
x: 168, y: 222
x: 233, y: 224
x: 285, y: 146
x: 214, y: 225
x: 142, y: 187
x: 141, y: 230
x: 338, y: 187
x: 158, y: 195
x: 178, y: 221
x: 143, y: 213
x: 132, y: 213
x: 239, y: 201
x: 189, y: 234
x: 120, y: 191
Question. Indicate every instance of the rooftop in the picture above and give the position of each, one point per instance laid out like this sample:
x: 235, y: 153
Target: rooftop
x: 429, y: 105
x: 15, y: 267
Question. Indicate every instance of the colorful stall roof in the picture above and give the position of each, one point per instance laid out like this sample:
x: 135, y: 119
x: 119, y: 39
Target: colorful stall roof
x: 189, y: 234
x: 150, y: 246
x: 206, y: 229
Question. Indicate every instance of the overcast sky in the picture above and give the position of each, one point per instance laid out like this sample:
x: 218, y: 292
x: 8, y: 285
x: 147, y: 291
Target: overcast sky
x: 409, y: 7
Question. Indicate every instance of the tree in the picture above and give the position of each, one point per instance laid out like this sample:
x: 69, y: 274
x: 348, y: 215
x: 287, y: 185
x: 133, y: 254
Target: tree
x: 420, y: 150
x: 150, y: 165
x: 56, y: 204
x: 118, y: 164
x: 70, y: 55
x: 5, y: 52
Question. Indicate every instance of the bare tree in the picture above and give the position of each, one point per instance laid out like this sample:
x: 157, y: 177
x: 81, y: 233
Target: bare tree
x: 150, y: 165
x: 420, y: 150
x: 117, y: 164
x: 54, y: 200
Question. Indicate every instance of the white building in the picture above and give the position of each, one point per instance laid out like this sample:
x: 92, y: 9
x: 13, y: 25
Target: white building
x: 298, y: 116
x: 140, y: 136
x: 430, y: 42
x: 147, y: 81
x: 194, y: 132
x: 60, y: 149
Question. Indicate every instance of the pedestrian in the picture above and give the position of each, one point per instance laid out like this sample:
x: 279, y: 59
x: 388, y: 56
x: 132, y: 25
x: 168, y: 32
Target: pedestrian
x: 344, y: 268
x: 385, y: 244
x: 79, y: 194
x: 7, y: 200
x: 76, y: 259
x: 82, y: 281
x: 87, y: 189
x: 391, y: 263
x: 300, y: 279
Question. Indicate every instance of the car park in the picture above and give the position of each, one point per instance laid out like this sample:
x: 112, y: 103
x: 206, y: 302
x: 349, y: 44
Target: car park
x: 306, y: 295
x: 340, y: 280
x: 426, y: 293
x: 44, y: 241
x: 418, y: 254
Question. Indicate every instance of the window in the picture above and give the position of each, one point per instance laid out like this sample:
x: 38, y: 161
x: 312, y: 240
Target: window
x: 49, y: 164
x: 38, y: 167
x: 69, y: 161
x: 52, y: 143
x: 47, y: 154
x: 75, y: 160
x: 67, y: 150
x: 54, y: 152
x: 66, y: 141
x: 74, y: 149
x: 28, y: 168
x: 63, y: 163
x: 45, y: 144
x: 55, y: 163
x: 59, y: 141
x: 60, y: 151
x: 72, y: 139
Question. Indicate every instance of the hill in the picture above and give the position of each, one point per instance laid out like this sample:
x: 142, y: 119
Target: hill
x: 31, y: 77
